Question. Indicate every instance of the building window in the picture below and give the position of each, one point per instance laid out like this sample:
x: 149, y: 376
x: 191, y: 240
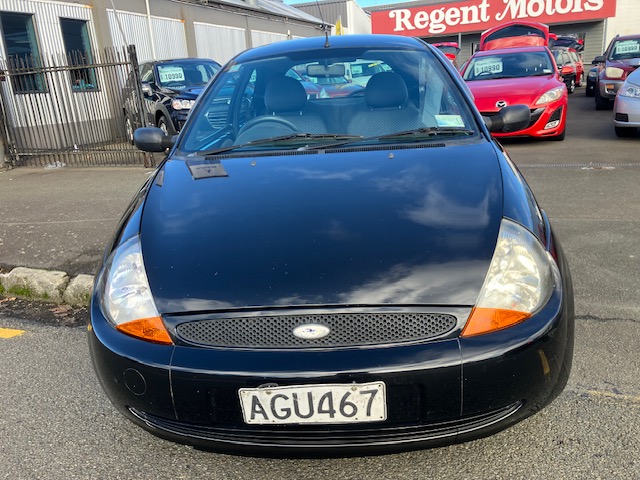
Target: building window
x: 78, y: 49
x: 23, y: 56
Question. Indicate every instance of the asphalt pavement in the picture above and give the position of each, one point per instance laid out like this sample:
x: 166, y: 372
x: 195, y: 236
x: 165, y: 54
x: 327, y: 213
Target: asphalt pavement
x: 59, y: 220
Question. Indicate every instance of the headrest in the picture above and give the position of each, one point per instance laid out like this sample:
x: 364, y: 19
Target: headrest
x: 284, y: 94
x: 386, y: 89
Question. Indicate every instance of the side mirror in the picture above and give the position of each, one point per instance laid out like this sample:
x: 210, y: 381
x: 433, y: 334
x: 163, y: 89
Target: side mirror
x: 598, y: 59
x: 152, y: 139
x: 634, y: 62
x: 509, y: 119
x: 567, y: 70
x: 146, y: 89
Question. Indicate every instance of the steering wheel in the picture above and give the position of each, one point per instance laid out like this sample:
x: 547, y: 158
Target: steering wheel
x: 266, y: 119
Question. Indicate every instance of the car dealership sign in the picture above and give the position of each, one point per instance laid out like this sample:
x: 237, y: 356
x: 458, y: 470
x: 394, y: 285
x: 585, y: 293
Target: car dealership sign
x: 478, y: 15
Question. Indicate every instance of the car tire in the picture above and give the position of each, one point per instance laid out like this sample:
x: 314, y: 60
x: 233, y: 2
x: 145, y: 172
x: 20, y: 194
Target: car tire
x: 626, y: 132
x: 163, y: 125
x: 572, y: 85
x: 128, y: 129
x: 590, y: 91
x: 601, y: 103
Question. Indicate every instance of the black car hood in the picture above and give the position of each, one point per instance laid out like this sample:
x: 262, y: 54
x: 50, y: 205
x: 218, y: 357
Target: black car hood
x: 406, y: 226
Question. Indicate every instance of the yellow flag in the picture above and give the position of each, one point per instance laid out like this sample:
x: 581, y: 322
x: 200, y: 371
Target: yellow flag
x: 339, y: 26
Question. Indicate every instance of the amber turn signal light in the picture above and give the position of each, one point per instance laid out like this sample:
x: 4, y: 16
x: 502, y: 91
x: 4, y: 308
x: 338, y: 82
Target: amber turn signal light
x: 149, y: 329
x: 487, y: 320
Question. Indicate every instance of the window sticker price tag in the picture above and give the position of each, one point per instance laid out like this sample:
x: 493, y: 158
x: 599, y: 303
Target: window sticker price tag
x: 487, y: 65
x: 628, y: 46
x: 171, y: 74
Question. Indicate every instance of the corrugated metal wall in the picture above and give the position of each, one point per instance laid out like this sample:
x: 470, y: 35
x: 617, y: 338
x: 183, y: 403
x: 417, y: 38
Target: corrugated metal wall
x: 264, y: 38
x: 169, y: 35
x: 593, y: 40
x: 219, y: 42
x: 46, y: 17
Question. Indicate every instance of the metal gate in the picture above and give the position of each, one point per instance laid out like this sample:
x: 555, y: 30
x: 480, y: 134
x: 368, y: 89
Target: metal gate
x: 60, y: 110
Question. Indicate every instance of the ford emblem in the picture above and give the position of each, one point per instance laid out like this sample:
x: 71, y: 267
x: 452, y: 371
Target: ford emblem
x: 501, y: 103
x: 311, y: 331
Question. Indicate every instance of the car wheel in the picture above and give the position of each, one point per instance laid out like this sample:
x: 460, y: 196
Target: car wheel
x: 572, y: 85
x: 590, y: 91
x: 128, y: 129
x: 163, y: 125
x: 626, y: 132
x: 601, y: 103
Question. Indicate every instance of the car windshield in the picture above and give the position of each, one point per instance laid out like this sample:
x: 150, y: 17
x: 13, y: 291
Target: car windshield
x: 276, y: 103
x: 179, y: 76
x: 625, y: 49
x: 508, y: 65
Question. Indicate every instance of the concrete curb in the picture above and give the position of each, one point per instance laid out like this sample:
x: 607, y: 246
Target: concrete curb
x: 48, y: 286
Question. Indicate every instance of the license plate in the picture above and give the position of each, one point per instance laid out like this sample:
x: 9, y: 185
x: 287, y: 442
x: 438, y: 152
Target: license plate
x: 319, y: 404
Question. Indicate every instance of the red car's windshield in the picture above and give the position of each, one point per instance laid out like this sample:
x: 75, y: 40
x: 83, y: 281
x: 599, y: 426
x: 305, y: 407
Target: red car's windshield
x: 509, y: 65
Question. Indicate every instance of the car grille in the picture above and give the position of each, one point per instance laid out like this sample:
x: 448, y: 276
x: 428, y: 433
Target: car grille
x: 346, y: 330
x: 535, y: 115
x: 622, y: 117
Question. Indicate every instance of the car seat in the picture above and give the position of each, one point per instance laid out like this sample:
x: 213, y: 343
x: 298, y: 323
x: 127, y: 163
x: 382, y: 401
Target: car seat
x: 286, y: 98
x: 387, y: 108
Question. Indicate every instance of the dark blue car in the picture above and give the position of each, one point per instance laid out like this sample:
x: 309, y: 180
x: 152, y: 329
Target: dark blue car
x: 169, y: 89
x: 333, y: 276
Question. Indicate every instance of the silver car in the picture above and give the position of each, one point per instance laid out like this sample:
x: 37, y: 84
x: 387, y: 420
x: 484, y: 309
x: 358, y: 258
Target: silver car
x: 626, y: 109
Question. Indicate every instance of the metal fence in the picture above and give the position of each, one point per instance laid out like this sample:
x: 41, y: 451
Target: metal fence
x: 68, y: 109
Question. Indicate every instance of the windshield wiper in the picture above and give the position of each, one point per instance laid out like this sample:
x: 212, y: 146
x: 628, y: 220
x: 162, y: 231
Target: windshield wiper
x: 281, y: 139
x: 418, y: 133
x: 429, y: 132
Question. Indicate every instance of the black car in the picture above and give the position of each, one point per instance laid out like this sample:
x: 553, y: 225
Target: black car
x: 592, y: 82
x: 169, y: 89
x: 333, y: 276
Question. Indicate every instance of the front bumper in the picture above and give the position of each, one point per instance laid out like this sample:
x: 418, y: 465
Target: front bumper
x: 541, y: 121
x: 626, y: 112
x: 439, y: 392
x: 609, y: 88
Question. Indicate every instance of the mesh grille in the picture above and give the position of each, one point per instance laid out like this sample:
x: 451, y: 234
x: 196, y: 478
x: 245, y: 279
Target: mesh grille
x: 347, y: 329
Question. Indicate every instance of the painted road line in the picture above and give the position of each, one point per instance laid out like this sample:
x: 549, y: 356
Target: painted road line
x: 10, y: 333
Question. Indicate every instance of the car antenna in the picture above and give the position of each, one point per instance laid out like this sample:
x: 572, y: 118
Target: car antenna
x: 325, y: 27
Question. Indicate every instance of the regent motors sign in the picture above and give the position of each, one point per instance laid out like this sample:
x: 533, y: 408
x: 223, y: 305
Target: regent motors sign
x: 478, y: 15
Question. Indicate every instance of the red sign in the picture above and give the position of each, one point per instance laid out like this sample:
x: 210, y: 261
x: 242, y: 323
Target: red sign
x: 478, y: 15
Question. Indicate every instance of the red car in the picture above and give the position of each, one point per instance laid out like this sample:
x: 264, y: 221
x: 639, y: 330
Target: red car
x: 450, y: 50
x: 505, y: 73
x: 515, y: 34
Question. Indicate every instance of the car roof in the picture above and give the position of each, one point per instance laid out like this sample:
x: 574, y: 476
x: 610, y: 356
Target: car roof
x: 185, y: 60
x: 336, y: 41
x: 627, y: 37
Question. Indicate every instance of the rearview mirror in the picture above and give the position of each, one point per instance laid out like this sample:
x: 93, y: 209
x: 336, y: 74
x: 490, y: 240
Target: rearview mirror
x: 335, y: 70
x: 152, y: 139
